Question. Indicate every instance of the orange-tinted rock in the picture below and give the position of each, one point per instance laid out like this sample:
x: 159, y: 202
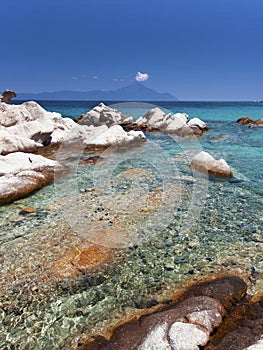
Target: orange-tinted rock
x: 27, y: 210
x: 258, y: 122
x: 244, y: 121
x: 82, y: 259
x: 129, y: 173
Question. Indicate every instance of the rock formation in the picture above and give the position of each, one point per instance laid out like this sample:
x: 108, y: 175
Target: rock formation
x: 22, y: 173
x: 196, y: 321
x: 103, y: 115
x: 178, y: 123
x: 6, y: 96
x: 154, y: 120
x: 250, y: 121
x: 204, y: 162
x: 28, y: 126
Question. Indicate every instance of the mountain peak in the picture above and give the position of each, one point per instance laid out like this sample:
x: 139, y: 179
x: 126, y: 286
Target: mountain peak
x: 136, y: 91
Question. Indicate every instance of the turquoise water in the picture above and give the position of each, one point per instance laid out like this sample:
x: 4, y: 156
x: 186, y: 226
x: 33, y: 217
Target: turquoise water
x: 208, y: 111
x: 201, y: 226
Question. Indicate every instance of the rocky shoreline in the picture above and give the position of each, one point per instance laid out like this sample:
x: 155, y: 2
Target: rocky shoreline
x: 30, y: 129
x: 59, y: 281
x: 211, y: 315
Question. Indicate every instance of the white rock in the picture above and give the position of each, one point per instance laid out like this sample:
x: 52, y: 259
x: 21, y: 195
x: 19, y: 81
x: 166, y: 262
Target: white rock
x: 104, y: 115
x: 257, y: 346
x: 209, y: 319
x: 204, y: 162
x: 154, y: 118
x: 28, y: 126
x: 113, y: 136
x: 156, y: 339
x: 22, y: 173
x: 14, y: 163
x: 197, y: 122
x: 177, y: 123
x: 28, y: 111
x: 10, y: 142
x: 186, y: 336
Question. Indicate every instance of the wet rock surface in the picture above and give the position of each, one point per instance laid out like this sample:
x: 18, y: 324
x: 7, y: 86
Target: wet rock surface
x: 210, y: 315
x: 249, y: 121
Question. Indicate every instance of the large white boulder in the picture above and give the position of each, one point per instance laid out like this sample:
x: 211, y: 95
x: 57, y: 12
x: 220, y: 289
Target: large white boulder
x: 115, y: 135
x: 28, y: 126
x: 204, y: 162
x: 22, y: 173
x: 103, y: 115
x: 177, y: 123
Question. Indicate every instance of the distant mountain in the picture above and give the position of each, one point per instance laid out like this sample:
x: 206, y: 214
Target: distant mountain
x: 134, y: 92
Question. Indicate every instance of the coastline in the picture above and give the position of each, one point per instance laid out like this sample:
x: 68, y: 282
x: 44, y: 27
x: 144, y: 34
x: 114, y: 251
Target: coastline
x: 197, y: 252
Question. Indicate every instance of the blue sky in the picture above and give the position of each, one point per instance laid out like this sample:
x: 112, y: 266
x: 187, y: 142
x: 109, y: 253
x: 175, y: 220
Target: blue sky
x: 194, y: 49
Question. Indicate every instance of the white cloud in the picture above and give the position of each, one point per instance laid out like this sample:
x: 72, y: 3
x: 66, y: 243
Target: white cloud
x: 95, y: 77
x: 75, y: 78
x: 142, y: 76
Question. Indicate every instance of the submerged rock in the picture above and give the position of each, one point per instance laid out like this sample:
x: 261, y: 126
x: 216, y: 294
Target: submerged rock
x: 204, y: 162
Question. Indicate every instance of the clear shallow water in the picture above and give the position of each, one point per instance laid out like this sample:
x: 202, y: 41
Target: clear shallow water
x: 41, y: 311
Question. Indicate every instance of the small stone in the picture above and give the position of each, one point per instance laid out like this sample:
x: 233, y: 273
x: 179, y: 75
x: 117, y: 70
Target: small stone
x: 27, y: 210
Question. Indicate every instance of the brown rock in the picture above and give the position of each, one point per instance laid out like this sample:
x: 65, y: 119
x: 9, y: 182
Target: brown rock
x: 258, y: 122
x: 82, y: 259
x: 201, y: 309
x: 228, y: 290
x: 6, y: 96
x: 27, y: 210
x: 240, y: 329
x: 244, y: 121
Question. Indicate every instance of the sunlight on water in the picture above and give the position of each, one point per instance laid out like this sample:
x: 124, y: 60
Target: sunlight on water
x: 42, y: 308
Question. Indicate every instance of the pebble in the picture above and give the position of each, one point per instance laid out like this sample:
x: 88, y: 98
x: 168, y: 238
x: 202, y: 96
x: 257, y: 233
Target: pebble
x: 27, y: 210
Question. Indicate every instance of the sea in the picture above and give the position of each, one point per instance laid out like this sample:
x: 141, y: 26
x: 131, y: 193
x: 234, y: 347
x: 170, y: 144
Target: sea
x: 173, y: 226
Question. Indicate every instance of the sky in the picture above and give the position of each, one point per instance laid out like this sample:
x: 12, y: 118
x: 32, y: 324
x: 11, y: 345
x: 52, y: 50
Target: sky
x: 193, y: 49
